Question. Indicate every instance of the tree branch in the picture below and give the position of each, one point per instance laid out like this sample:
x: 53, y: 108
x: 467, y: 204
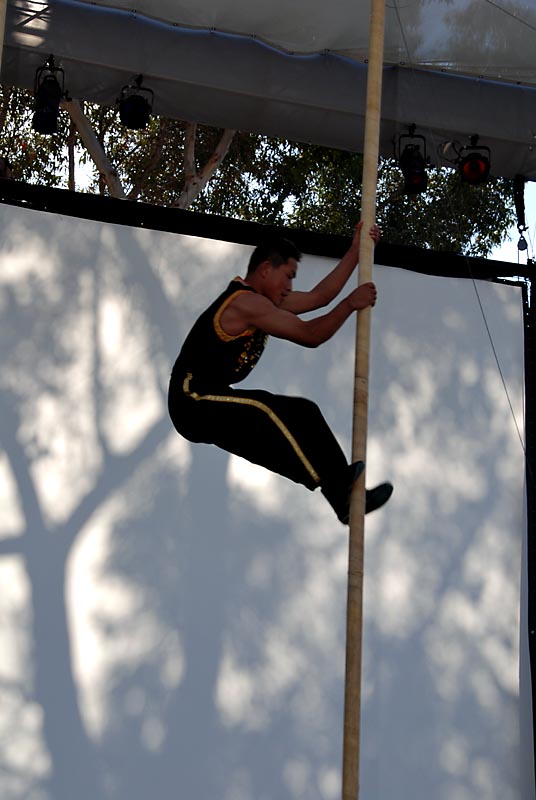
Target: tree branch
x: 20, y: 466
x: 153, y: 162
x: 93, y: 146
x: 12, y: 546
x: 118, y: 469
x: 71, y: 139
x: 195, y: 185
x: 4, y: 108
x: 189, y: 153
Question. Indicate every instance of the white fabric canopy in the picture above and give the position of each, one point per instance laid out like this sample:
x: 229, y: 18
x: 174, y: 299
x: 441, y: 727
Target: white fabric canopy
x: 453, y: 67
x: 459, y: 35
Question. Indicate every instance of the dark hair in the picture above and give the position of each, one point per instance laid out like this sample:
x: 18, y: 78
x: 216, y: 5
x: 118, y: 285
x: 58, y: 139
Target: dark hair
x: 275, y: 251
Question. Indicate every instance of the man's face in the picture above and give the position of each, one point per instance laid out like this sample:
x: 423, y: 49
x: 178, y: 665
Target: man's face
x: 278, y: 281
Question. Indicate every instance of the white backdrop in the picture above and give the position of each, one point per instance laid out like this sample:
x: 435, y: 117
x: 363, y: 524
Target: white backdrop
x: 172, y: 619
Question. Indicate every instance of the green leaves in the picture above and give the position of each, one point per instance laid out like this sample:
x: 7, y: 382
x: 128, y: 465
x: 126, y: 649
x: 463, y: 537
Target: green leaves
x: 266, y: 180
x: 450, y: 216
x: 35, y: 158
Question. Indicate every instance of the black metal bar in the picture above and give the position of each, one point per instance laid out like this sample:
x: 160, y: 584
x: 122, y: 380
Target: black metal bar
x: 529, y: 309
x: 211, y: 226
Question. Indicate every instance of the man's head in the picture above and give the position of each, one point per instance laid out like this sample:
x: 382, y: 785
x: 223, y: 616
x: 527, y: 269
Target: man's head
x: 276, y: 252
x: 272, y: 269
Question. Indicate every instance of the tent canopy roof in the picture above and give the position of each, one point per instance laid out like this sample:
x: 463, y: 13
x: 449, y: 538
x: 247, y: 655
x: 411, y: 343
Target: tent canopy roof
x: 454, y: 68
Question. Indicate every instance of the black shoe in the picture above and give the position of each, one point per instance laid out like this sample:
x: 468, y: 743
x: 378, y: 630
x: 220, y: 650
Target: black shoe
x: 377, y: 497
x: 338, y: 493
x: 354, y: 471
x: 374, y: 499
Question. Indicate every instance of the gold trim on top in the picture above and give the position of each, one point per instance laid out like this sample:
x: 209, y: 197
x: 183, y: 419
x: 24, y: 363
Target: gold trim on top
x: 247, y: 401
x: 226, y: 337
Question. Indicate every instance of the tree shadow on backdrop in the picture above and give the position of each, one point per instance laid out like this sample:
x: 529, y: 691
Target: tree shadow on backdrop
x: 183, y: 613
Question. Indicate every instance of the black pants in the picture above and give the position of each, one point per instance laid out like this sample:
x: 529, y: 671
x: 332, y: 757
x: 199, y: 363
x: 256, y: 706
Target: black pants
x: 287, y: 435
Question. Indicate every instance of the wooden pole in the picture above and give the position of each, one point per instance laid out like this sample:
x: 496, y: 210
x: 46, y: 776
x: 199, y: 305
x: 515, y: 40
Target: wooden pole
x: 354, y: 619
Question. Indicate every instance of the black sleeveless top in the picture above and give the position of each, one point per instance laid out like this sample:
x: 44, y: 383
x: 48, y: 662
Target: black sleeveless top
x: 211, y: 359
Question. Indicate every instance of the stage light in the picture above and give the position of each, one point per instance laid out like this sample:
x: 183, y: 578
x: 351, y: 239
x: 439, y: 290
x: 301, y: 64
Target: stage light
x: 474, y: 166
x: 413, y: 168
x: 48, y: 93
x: 135, y: 105
x: 412, y: 161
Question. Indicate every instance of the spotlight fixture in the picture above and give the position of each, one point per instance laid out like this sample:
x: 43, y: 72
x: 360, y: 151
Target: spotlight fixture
x: 48, y: 93
x: 135, y: 104
x: 522, y: 243
x: 412, y: 161
x: 474, y: 163
x: 519, y: 202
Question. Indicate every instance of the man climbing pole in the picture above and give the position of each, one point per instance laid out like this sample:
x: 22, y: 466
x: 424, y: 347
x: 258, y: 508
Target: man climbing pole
x: 287, y: 435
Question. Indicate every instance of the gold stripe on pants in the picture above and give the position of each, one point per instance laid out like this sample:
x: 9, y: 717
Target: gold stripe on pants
x: 262, y: 407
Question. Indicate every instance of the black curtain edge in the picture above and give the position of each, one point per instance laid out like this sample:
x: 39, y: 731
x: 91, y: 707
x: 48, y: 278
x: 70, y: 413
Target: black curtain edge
x: 211, y: 226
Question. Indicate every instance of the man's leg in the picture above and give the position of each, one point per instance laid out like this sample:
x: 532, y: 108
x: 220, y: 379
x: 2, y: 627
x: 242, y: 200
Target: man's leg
x: 318, y: 443
x: 287, y: 435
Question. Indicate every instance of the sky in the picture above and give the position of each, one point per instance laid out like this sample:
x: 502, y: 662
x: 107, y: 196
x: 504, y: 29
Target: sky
x: 508, y: 251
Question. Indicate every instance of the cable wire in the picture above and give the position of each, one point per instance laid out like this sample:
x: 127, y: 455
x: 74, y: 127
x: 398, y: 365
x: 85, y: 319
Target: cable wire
x: 510, y: 14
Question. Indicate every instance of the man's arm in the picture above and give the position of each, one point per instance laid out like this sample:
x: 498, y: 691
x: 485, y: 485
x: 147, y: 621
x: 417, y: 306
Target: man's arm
x: 256, y: 310
x: 330, y: 286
